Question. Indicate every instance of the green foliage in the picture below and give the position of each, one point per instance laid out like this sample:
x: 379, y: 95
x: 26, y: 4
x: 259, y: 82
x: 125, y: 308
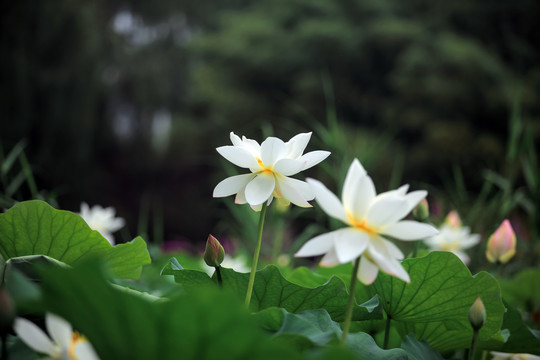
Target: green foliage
x: 435, y: 304
x: 198, y: 325
x: 35, y: 228
x: 271, y: 289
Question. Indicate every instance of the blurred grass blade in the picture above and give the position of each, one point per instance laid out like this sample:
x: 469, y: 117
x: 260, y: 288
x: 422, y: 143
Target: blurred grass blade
x: 10, y: 159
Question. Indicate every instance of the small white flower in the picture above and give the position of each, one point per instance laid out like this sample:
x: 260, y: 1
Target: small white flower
x: 453, y: 237
x: 507, y: 356
x: 102, y: 220
x: 370, y: 217
x: 65, y: 344
x: 271, y: 164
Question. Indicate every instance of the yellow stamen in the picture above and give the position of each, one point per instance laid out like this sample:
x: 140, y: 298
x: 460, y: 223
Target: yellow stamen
x: 75, y: 339
x: 361, y: 225
x: 264, y: 168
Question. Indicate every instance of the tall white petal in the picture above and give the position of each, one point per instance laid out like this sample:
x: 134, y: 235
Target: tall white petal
x: 84, y: 351
x: 367, y: 271
x: 317, y: 246
x: 350, y: 244
x: 303, y: 188
x: 412, y: 198
x: 235, y: 139
x: 232, y: 185
x: 355, y: 172
x: 241, y: 196
x: 288, y: 167
x: 410, y: 230
x: 328, y: 201
x: 238, y: 156
x: 385, y: 261
x: 385, y: 211
x: 272, y: 149
x: 252, y: 146
x: 393, y: 250
x: 259, y: 189
x: 313, y: 158
x: 297, y: 144
x: 361, y: 195
x: 330, y: 259
x: 294, y: 191
x: 34, y: 337
x: 59, y: 329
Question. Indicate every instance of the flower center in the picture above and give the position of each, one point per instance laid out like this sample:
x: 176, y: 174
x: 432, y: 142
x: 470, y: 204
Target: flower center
x: 263, y: 167
x: 450, y: 246
x: 361, y: 225
x: 75, y: 339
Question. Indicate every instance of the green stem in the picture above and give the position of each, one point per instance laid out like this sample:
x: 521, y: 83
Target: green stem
x: 256, y: 254
x: 387, y: 331
x: 415, y: 250
x: 350, y: 303
x: 470, y: 352
x: 218, y: 274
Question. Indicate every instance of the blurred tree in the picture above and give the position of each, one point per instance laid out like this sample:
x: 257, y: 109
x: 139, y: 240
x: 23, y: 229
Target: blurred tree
x: 123, y: 102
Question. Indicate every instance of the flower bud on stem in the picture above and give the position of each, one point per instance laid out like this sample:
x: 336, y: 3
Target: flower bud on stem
x: 477, y: 318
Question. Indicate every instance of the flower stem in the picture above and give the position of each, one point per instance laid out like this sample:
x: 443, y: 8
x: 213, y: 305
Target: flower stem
x: 350, y: 303
x: 218, y: 274
x: 256, y: 254
x: 387, y: 331
x: 469, y: 354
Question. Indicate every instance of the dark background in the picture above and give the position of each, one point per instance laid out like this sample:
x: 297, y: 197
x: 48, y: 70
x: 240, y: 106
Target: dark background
x: 122, y: 103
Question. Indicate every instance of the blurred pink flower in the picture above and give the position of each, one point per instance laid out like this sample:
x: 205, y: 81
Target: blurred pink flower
x: 501, y: 246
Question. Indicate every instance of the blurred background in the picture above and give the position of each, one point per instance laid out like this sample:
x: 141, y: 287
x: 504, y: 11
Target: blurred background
x: 122, y: 103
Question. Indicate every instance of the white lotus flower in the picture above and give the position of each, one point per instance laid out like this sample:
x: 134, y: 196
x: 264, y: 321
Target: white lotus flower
x: 271, y: 164
x: 65, y: 344
x: 369, y: 216
x: 102, y: 220
x: 453, y: 237
x: 508, y: 356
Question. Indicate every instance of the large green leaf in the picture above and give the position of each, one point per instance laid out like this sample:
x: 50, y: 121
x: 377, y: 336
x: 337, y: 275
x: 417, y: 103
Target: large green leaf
x: 202, y: 324
x: 311, y: 278
x: 435, y: 304
x: 419, y: 350
x: 315, y: 328
x: 271, y: 289
x: 520, y: 338
x: 36, y: 228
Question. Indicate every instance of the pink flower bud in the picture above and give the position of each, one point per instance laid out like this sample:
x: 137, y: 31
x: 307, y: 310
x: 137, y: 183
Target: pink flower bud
x: 477, y: 314
x: 453, y: 219
x: 421, y: 211
x: 501, y: 245
x: 214, y: 252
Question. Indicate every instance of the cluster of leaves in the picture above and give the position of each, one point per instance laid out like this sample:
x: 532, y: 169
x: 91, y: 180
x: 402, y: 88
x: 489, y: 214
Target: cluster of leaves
x: 53, y: 262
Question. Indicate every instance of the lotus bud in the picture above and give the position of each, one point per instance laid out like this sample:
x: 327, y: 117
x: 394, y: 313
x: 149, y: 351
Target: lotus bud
x: 7, y: 311
x: 501, y: 246
x: 453, y: 219
x: 214, y: 252
x: 421, y: 211
x: 477, y: 314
